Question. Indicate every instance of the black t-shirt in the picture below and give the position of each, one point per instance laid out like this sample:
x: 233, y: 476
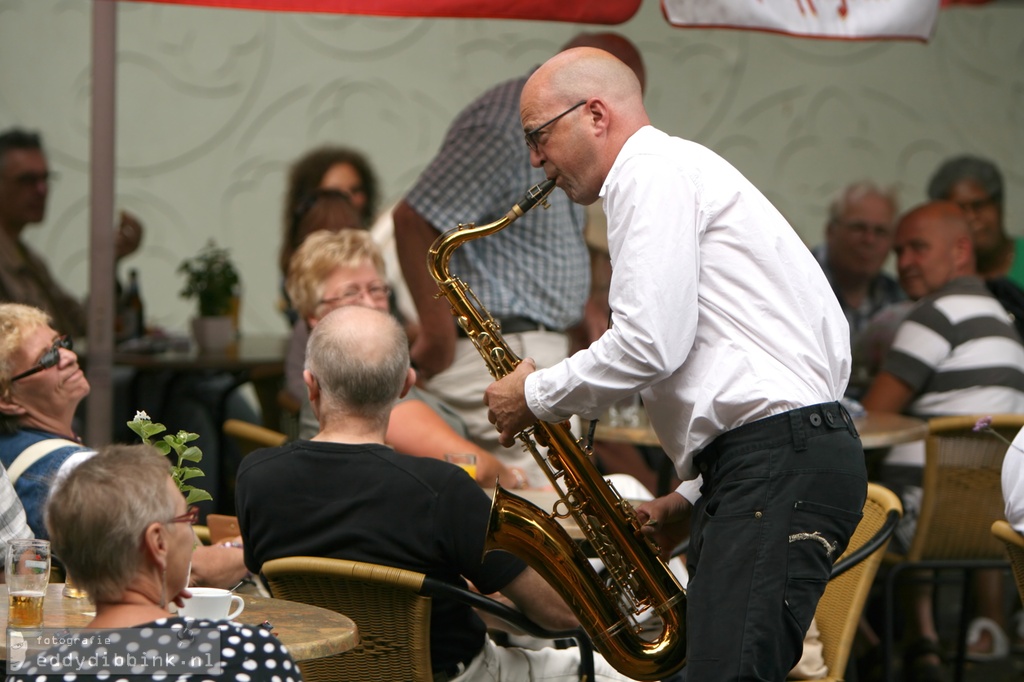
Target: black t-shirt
x: 369, y: 503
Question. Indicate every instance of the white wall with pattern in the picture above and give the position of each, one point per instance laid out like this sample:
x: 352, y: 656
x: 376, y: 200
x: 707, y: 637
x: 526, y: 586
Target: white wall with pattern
x: 214, y: 104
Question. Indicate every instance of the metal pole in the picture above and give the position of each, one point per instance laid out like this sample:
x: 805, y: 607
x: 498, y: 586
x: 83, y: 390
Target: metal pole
x: 101, y: 219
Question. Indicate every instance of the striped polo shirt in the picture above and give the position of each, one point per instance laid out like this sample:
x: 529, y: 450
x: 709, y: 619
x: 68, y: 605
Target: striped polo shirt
x: 960, y: 353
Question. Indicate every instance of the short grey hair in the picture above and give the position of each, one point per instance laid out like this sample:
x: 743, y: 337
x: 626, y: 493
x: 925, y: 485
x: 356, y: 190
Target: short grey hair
x: 966, y: 167
x: 360, y: 364
x: 98, y: 514
x: 856, y: 191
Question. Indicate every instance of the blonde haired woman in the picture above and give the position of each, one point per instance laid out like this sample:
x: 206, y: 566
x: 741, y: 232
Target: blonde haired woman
x: 332, y: 270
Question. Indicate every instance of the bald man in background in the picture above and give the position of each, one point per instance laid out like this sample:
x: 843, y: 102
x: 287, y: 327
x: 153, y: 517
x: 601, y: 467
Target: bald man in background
x: 956, y: 353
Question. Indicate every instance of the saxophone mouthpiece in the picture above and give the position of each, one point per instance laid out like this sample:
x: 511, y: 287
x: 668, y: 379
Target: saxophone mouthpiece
x: 537, y: 194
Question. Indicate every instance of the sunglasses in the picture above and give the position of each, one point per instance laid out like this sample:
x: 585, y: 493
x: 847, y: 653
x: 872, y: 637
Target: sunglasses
x: 50, y: 358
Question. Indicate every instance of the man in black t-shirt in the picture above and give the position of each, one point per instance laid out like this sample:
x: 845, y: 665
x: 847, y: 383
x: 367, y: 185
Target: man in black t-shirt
x: 345, y: 494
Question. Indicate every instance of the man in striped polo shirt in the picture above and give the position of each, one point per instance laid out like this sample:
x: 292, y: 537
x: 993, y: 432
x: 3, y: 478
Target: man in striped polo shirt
x: 957, y: 352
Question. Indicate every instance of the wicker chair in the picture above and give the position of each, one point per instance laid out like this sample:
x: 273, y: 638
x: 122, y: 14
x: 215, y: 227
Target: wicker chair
x: 962, y: 498
x: 1014, y: 543
x: 250, y: 437
x: 391, y: 608
x: 840, y: 607
x: 202, y: 534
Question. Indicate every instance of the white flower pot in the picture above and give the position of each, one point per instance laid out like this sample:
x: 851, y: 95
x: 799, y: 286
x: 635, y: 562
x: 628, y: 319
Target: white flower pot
x: 213, y: 334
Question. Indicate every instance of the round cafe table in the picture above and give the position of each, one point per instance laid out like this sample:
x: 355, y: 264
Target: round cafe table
x: 308, y: 631
x: 877, y: 430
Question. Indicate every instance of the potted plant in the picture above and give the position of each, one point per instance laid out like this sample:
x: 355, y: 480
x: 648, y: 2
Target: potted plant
x: 211, y: 279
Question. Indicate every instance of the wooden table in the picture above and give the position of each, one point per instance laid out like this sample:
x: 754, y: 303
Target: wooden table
x: 259, y: 359
x: 877, y: 430
x: 256, y: 359
x: 308, y: 631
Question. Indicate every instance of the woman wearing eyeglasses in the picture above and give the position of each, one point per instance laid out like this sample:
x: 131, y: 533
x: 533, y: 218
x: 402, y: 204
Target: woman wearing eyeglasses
x: 41, y: 386
x: 124, y: 532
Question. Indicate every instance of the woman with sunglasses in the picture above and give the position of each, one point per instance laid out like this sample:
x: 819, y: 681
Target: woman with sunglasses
x: 124, y: 532
x: 41, y: 386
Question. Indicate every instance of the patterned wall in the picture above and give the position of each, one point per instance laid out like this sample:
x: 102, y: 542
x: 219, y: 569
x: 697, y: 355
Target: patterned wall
x: 214, y: 104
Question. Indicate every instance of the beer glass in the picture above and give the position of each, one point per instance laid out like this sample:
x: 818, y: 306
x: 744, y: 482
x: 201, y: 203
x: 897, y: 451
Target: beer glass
x: 27, y: 571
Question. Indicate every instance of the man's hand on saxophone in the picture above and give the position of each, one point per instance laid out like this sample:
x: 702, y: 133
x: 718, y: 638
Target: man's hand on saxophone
x: 506, y: 403
x: 666, y: 520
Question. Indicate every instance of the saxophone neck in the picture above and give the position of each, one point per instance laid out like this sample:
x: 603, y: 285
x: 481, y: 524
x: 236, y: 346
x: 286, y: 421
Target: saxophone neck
x: 441, y: 250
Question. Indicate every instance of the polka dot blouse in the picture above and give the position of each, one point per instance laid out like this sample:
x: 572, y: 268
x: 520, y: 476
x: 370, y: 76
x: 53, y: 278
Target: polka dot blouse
x: 247, y: 654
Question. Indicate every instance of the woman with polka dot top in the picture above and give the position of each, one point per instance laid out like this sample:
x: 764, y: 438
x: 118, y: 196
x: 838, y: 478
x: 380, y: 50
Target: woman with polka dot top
x: 122, y: 529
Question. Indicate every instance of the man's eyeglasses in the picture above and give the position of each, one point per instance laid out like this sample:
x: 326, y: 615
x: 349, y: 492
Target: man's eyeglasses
x: 532, y: 136
x: 863, y: 229
x: 190, y: 517
x: 977, y: 205
x: 50, y: 358
x: 378, y: 291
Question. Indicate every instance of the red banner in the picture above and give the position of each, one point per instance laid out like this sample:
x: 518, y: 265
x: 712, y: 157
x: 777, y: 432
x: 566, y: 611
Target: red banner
x: 576, y: 11
x: 835, y: 19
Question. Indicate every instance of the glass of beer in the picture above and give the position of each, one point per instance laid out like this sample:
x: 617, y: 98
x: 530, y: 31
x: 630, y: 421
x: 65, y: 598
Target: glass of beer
x: 27, y: 571
x: 466, y: 460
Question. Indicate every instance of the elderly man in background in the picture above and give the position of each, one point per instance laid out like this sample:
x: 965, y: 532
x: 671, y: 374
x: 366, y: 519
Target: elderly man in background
x: 335, y: 496
x: 25, y: 179
x: 41, y: 386
x: 956, y: 352
x: 858, y: 237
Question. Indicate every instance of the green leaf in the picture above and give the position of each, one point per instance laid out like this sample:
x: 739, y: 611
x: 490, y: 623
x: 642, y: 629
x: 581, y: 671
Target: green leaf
x: 197, y: 495
x: 185, y: 473
x: 176, y: 442
x: 191, y: 454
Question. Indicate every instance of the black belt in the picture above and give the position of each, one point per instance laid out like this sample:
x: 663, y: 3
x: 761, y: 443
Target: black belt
x: 794, y: 426
x: 513, y: 324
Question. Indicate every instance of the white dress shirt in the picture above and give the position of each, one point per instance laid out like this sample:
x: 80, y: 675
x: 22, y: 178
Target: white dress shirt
x: 720, y: 313
x: 1013, y: 482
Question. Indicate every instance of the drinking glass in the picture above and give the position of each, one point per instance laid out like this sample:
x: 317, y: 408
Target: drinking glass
x: 71, y: 590
x: 27, y: 571
x: 466, y: 460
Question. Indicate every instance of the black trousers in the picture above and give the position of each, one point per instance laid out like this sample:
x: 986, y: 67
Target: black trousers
x: 781, y: 498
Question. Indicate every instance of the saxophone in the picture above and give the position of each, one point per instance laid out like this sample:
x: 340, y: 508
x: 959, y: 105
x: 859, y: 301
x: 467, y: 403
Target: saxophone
x: 638, y: 580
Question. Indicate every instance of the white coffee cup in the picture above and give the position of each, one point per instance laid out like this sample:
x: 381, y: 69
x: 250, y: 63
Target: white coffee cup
x: 212, y: 603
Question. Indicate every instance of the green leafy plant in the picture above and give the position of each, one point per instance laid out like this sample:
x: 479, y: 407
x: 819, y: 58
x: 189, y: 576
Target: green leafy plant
x: 211, y: 278
x: 146, y: 429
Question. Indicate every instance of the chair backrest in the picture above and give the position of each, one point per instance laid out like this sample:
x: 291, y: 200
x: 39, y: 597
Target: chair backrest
x: 1014, y: 543
x: 221, y: 527
x: 393, y: 619
x: 840, y: 607
x: 963, y: 492
x: 250, y: 437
